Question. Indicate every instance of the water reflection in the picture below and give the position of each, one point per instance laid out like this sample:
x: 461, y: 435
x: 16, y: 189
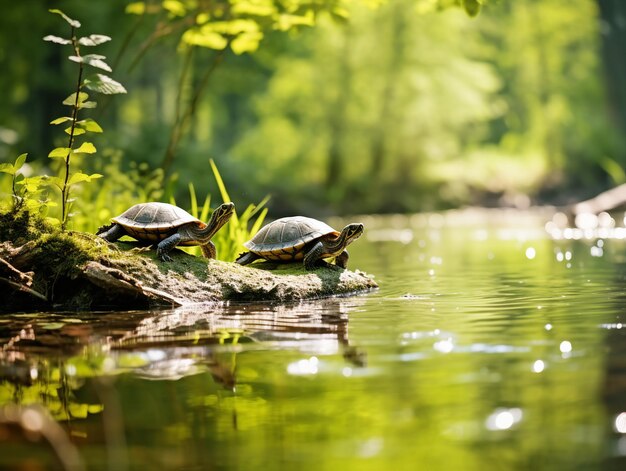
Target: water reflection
x: 488, y: 342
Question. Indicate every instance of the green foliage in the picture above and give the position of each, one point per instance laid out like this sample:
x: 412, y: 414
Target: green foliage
x: 26, y: 192
x: 237, y: 24
x: 240, y: 228
x: 79, y: 100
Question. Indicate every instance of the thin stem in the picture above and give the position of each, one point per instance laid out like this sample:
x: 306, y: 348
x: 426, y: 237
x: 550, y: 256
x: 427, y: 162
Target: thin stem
x: 65, y: 191
x: 182, y: 122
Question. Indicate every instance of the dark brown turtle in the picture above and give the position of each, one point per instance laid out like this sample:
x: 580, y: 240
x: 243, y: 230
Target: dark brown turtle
x: 169, y: 226
x: 300, y: 238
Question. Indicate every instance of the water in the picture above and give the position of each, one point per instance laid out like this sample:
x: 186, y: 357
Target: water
x: 488, y: 346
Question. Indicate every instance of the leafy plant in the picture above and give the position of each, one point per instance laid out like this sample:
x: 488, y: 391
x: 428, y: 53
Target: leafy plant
x: 24, y: 190
x: 229, y: 240
x: 78, y: 101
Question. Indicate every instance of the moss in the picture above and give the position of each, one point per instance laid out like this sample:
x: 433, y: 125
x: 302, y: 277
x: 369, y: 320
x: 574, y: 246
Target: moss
x: 58, y: 260
x: 22, y: 227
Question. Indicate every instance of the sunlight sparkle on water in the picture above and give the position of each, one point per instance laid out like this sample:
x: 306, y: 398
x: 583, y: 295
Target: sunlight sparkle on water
x: 539, y: 366
x: 620, y: 423
x: 531, y: 253
x: 503, y: 419
x: 304, y: 367
x: 565, y: 346
x: 444, y: 346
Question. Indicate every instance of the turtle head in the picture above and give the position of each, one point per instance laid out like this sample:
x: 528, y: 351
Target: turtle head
x: 220, y: 216
x: 352, y: 232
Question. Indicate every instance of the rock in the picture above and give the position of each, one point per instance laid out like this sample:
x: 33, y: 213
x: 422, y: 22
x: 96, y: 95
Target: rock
x: 81, y: 271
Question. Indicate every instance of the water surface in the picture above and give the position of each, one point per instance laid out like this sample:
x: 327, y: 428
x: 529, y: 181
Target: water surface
x: 489, y: 345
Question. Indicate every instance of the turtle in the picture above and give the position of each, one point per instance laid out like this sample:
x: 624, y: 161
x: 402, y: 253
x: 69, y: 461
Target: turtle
x: 296, y: 238
x: 168, y: 225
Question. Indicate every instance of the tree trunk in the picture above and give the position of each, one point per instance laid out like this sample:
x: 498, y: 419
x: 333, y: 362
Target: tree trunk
x: 613, y: 35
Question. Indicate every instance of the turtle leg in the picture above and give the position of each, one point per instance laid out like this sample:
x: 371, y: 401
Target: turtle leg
x: 341, y: 260
x: 166, y: 245
x: 112, y: 233
x: 208, y: 250
x: 246, y: 257
x: 313, y: 256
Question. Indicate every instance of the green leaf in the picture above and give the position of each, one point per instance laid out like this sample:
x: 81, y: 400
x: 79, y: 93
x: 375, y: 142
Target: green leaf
x: 73, y: 23
x: 472, y: 7
x: 88, y: 104
x: 175, y: 7
x: 104, y: 84
x: 77, y: 131
x: 85, y: 148
x: 246, y: 42
x: 287, y: 22
x: 57, y: 181
x: 89, y: 125
x: 219, y: 181
x: 80, y: 177
x: 93, y: 40
x: 57, y: 39
x: 71, y: 100
x: 61, y: 120
x: 232, y: 27
x: 136, y: 8
x: 204, y: 38
x: 254, y: 9
x: 60, y: 153
x: 7, y: 168
x: 21, y: 159
x: 93, y: 60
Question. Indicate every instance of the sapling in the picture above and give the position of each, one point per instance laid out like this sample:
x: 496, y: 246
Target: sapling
x: 79, y: 101
x: 25, y: 191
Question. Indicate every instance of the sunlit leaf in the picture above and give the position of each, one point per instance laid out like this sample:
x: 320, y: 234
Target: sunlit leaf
x: 232, y: 27
x: 59, y: 153
x: 93, y: 60
x: 57, y: 39
x: 88, y: 104
x: 61, y: 120
x: 175, y: 7
x: 85, y: 148
x: 255, y: 9
x: 89, y: 125
x: 286, y: 22
x: 136, y: 8
x: 7, y: 168
x: 77, y: 131
x: 94, y: 40
x: 21, y: 159
x: 80, y: 177
x: 104, y: 84
x: 57, y: 181
x: 73, y: 23
x: 246, y: 42
x: 202, y: 18
x: 209, y: 39
x: 71, y: 100
x: 219, y: 181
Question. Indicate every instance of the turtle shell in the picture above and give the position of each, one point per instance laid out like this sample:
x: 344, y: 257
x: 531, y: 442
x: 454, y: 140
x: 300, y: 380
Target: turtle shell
x: 286, y: 238
x: 155, y: 221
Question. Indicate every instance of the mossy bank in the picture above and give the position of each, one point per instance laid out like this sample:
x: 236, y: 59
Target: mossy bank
x: 41, y: 268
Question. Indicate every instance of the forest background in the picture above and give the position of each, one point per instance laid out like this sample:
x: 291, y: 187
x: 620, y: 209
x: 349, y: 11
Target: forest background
x: 337, y: 108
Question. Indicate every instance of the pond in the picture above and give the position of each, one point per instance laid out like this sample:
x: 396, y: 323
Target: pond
x: 489, y: 345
